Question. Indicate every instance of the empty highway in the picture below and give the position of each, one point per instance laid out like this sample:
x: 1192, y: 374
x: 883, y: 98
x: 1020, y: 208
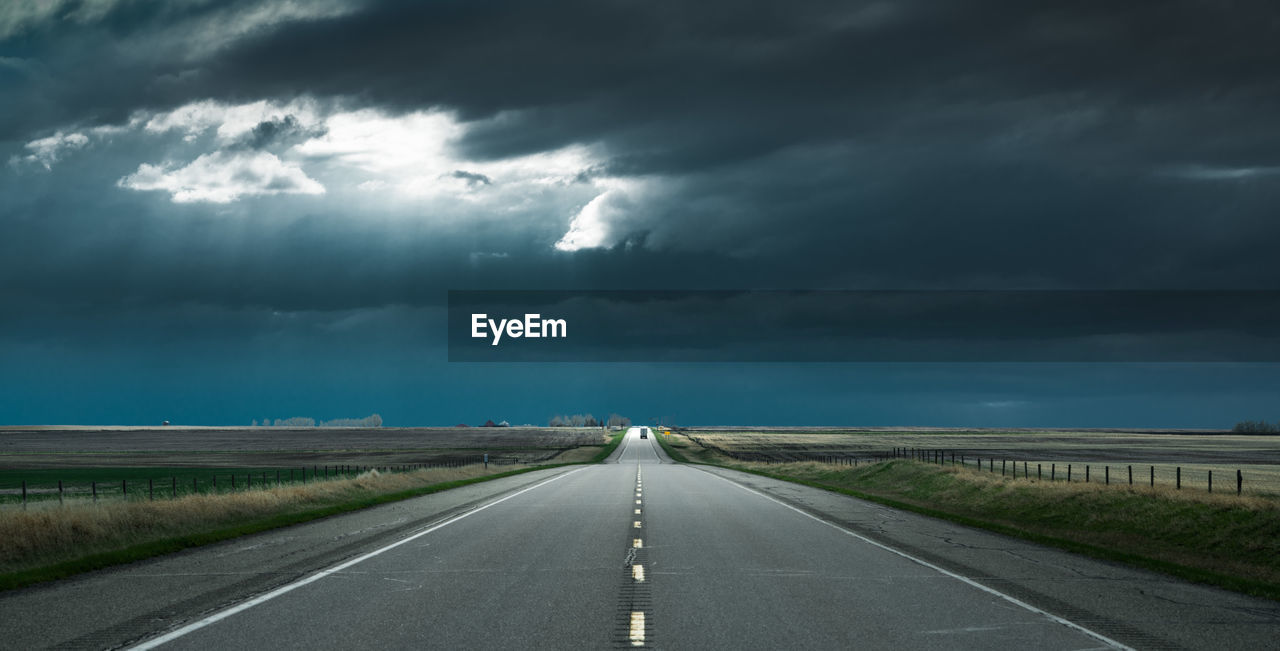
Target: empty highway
x: 634, y: 552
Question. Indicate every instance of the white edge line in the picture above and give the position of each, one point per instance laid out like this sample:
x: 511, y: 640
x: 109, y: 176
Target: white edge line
x: 1013, y: 600
x: 241, y: 607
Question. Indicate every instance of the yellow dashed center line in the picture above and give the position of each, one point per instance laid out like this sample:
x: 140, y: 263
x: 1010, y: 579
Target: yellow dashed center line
x: 637, y: 629
x: 637, y: 543
x: 637, y: 511
x: 636, y: 524
x: 637, y: 501
x: 637, y: 573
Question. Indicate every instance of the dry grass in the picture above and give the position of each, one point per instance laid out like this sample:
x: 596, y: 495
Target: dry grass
x: 1219, y: 538
x: 49, y: 533
x: 1258, y: 457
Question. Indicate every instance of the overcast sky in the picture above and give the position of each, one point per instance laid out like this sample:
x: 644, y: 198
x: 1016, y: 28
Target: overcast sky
x: 212, y: 212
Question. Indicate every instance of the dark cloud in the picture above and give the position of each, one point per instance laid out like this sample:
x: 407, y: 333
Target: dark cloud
x: 877, y: 144
x: 280, y: 133
x: 473, y: 179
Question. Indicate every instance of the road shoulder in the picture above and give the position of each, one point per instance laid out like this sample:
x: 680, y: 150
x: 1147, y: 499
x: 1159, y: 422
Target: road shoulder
x: 112, y: 607
x: 1137, y: 607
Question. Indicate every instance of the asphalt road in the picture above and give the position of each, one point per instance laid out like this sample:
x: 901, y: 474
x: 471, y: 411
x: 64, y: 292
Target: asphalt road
x: 634, y: 552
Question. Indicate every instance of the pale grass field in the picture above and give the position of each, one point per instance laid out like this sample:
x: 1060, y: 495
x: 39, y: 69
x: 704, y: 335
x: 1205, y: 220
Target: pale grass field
x: 1257, y: 457
x: 47, y: 532
x: 1057, y: 489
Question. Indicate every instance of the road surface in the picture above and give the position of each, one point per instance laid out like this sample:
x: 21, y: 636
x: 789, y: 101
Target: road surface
x: 635, y: 552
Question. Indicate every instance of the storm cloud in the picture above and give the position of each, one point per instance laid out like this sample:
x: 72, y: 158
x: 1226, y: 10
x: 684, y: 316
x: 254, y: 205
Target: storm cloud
x: 338, y: 156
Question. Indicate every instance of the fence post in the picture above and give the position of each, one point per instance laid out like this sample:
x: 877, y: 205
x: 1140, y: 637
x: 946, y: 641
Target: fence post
x: 124, y: 487
x: 1068, y: 473
x: 1130, y: 475
x: 1210, y: 481
x: 277, y: 476
x: 174, y: 478
x: 1153, y: 476
x: 1179, y: 477
x: 195, y: 484
x: 233, y: 481
x: 59, y: 492
x: 151, y: 488
x: 1039, y: 474
x: 95, y: 490
x: 24, y: 493
x: 1002, y: 462
x: 1086, y: 473
x: 1239, y: 481
x: 1108, y: 473
x: 1053, y: 472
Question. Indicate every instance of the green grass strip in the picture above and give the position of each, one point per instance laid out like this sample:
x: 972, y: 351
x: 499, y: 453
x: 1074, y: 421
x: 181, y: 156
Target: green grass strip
x: 149, y: 549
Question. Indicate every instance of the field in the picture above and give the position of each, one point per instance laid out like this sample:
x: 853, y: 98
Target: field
x: 55, y: 533
x: 182, y: 461
x: 1195, y: 452
x: 1220, y: 538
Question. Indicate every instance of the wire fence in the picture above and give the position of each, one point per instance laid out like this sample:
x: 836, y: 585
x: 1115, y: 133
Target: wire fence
x: 1260, y: 479
x: 80, y: 485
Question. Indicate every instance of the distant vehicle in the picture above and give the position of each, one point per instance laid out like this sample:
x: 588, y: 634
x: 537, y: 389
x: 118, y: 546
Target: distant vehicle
x: 165, y: 424
x: 644, y: 432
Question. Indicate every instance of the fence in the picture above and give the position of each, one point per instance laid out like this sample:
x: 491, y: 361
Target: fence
x: 196, y: 481
x: 1214, y: 479
x: 1190, y: 476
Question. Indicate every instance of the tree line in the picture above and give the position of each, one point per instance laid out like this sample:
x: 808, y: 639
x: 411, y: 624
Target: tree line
x: 587, y: 420
x: 1256, y: 427
x: 372, y: 420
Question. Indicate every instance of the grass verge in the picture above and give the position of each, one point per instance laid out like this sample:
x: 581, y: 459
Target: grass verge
x: 1222, y: 540
x: 51, y: 542
x: 609, y: 447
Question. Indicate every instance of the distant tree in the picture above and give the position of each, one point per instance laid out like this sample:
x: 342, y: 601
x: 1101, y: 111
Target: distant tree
x: 576, y: 420
x: 296, y: 421
x: 368, y: 421
x: 1256, y: 427
x: 255, y: 423
x: 616, y: 420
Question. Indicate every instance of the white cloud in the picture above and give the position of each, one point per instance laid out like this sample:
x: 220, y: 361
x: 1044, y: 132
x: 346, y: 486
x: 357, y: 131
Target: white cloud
x: 1209, y: 173
x: 198, y: 36
x: 595, y: 225
x: 414, y: 155
x: 223, y: 177
x: 231, y: 121
x: 46, y: 151
x: 1005, y: 404
x: 479, y: 257
x: 386, y: 145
